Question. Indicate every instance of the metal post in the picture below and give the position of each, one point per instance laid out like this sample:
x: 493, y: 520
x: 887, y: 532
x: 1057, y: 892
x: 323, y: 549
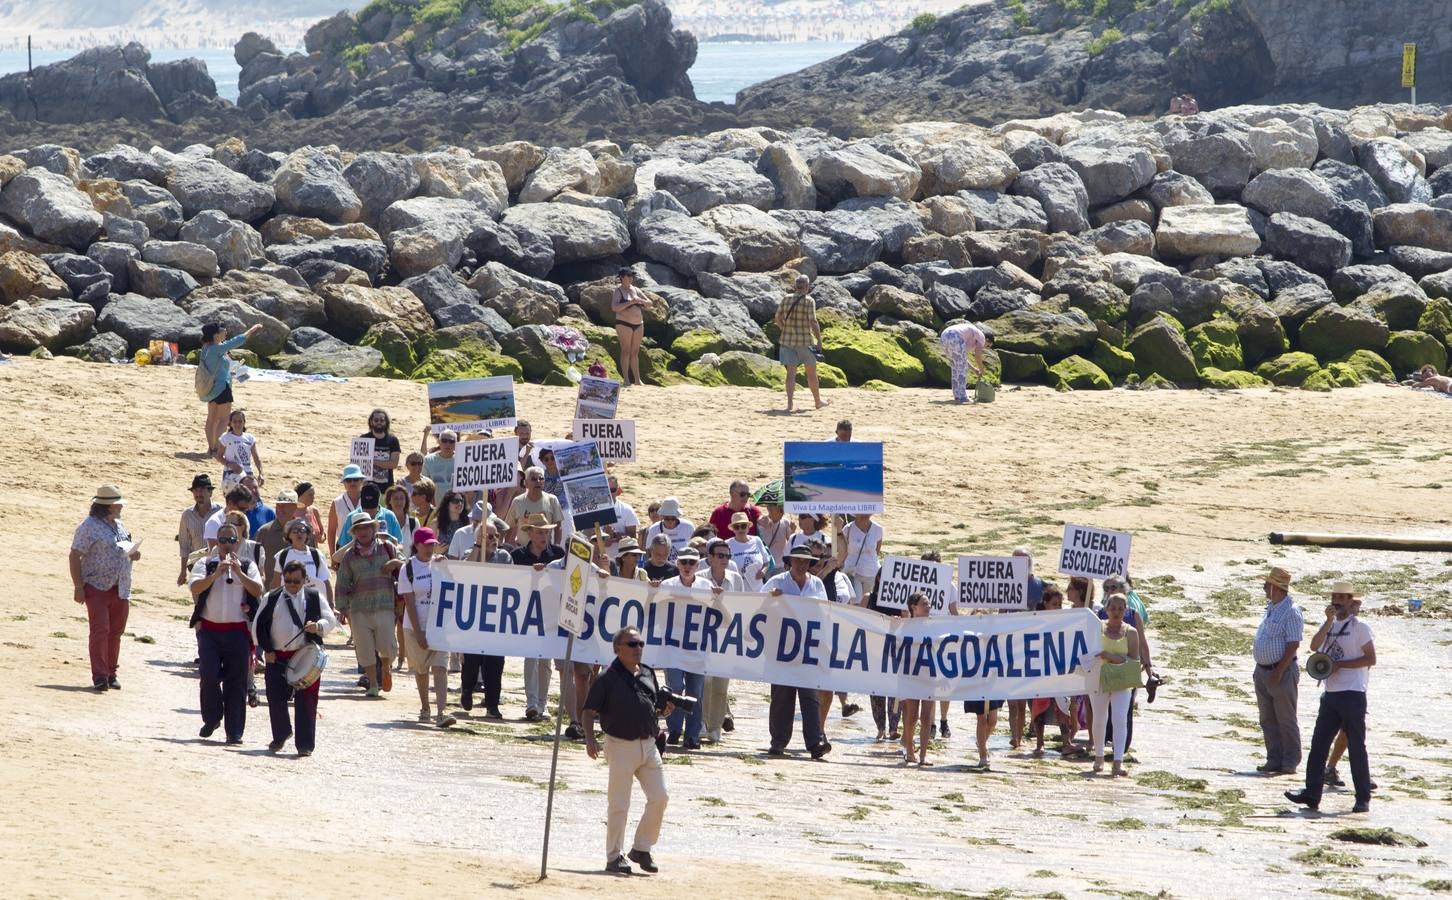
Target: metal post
x: 1414, y: 95
x: 29, y: 62
x: 568, y: 672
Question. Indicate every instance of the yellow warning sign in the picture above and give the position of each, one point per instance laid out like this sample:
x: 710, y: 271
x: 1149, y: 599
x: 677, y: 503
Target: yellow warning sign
x: 1409, y: 65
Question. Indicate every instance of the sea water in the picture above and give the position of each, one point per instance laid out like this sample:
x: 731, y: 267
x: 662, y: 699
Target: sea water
x: 720, y: 71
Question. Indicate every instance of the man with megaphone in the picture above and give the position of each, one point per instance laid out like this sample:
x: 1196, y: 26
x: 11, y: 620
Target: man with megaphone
x: 1342, y: 661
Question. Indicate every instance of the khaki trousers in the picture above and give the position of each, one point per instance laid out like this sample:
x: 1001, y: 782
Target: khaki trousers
x: 715, y: 708
x: 639, y: 760
x: 373, y: 634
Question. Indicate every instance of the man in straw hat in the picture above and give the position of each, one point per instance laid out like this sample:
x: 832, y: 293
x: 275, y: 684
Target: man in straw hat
x: 1277, y: 675
x: 538, y: 551
x: 364, y: 597
x: 1348, y: 641
x: 100, y: 562
x: 797, y: 581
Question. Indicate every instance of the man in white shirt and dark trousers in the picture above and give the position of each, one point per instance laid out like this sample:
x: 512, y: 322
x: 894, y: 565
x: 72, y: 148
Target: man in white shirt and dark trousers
x: 288, y: 618
x: 1348, y: 641
x: 796, y: 582
x: 1277, y: 675
x: 225, y: 591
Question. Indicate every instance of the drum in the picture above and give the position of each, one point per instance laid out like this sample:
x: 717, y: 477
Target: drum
x: 306, y: 666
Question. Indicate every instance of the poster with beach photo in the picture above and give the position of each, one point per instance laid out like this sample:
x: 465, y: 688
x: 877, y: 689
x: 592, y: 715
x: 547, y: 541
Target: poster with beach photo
x: 591, y: 502
x: 833, y: 477
x: 578, y: 459
x: 472, y: 404
x: 598, y: 398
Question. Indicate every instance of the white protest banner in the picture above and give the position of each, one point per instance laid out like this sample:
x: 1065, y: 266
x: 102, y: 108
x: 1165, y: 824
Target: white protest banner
x: 614, y: 437
x: 902, y: 577
x: 361, y: 455
x: 993, y: 582
x: 486, y: 465
x: 1093, y: 552
x: 515, y: 611
x: 579, y: 573
x: 598, y: 398
x: 472, y: 404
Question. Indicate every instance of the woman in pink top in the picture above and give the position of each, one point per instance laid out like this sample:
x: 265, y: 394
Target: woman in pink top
x: 957, y: 342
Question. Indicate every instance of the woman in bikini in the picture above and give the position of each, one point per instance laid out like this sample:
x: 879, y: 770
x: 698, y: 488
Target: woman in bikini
x: 628, y: 303
x: 1428, y: 378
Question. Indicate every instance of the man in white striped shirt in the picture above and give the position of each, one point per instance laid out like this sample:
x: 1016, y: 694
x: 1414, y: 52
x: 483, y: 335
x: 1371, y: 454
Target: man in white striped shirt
x: 1278, y: 675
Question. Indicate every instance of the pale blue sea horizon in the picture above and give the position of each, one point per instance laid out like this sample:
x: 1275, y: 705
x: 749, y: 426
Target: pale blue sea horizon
x: 721, y: 69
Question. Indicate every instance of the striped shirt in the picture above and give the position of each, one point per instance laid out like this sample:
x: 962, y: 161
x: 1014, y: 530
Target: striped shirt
x: 798, y: 314
x: 1282, y: 625
x: 363, y: 585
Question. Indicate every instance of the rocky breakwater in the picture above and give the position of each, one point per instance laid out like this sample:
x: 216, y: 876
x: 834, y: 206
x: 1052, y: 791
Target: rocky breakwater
x: 1008, y: 58
x: 1286, y: 245
x: 404, y: 74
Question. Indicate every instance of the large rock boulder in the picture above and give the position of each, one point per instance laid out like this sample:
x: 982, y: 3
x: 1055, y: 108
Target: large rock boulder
x: 1222, y: 162
x: 1258, y: 328
x: 24, y: 275
x: 1288, y: 369
x: 683, y: 243
x: 1308, y: 243
x: 561, y: 170
x: 87, y: 280
x: 516, y: 160
x: 1413, y: 224
x: 140, y: 320
x: 866, y: 355
x: 1049, y: 334
x: 52, y: 324
x: 237, y: 317
x: 860, y: 170
x: 1408, y: 351
x: 1351, y: 183
x: 199, y: 184
x: 194, y: 259
x: 1060, y: 192
x: 352, y: 310
x: 1297, y: 191
x: 237, y: 245
x: 1160, y: 349
x: 1075, y: 373
x: 717, y: 182
x: 311, y: 183
x: 522, y: 306
x: 153, y: 207
x: 885, y: 300
x: 455, y: 174
x: 836, y: 243
x: 1294, y: 305
x: 1110, y: 174
x: 964, y: 166
x: 1385, y: 159
x: 1334, y: 331
x: 292, y: 305
x: 791, y: 178
x: 993, y: 211
x: 688, y: 311
x: 576, y: 233
x: 50, y: 207
x: 758, y: 242
x: 151, y: 280
x: 333, y: 358
x: 1215, y: 344
x: 380, y: 180
x: 1187, y: 232
x: 1190, y: 301
x: 1171, y: 188
x: 368, y: 257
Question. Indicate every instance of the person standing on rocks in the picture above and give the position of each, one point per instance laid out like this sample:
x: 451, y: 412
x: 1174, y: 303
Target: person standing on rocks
x: 628, y: 303
x: 1278, y: 675
x: 214, y: 377
x: 957, y: 341
x: 801, y: 336
x: 100, y: 562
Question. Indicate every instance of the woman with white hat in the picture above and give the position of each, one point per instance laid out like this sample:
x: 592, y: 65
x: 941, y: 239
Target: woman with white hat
x: 721, y: 578
x: 671, y: 525
x: 100, y: 563
x: 749, y: 552
x: 344, y: 503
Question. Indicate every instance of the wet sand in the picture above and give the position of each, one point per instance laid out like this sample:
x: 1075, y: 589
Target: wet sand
x: 116, y: 794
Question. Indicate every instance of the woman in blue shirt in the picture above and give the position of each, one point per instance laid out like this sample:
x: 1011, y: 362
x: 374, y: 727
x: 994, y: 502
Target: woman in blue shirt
x: 214, y: 361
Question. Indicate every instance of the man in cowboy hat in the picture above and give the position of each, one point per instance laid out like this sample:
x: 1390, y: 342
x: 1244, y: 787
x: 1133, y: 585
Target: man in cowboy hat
x: 100, y: 563
x: 191, y: 533
x: 364, y: 597
x: 1348, y: 641
x: 1277, y: 675
x: 537, y: 551
x: 797, y: 581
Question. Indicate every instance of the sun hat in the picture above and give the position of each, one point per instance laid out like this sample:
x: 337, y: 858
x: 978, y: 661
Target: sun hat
x: 362, y: 521
x: 202, y: 481
x: 478, y: 513
x: 801, y: 552
x: 425, y: 535
x: 286, y: 497
x: 628, y: 545
x: 1279, y: 577
x: 352, y: 472
x: 537, y: 520
x: 296, y: 525
x: 108, y: 495
x: 740, y: 518
x: 688, y: 555
x: 670, y: 508
x: 1342, y: 587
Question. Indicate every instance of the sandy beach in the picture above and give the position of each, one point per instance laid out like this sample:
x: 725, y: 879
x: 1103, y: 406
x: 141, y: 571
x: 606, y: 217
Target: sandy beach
x: 115, y: 795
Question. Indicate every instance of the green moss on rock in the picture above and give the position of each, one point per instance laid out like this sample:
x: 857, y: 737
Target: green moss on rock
x: 1212, y: 377
x: 1408, y: 351
x: 874, y: 385
x: 1075, y: 373
x: 1289, y: 369
x: 1320, y: 381
x: 1370, y: 368
x: 1216, y: 344
x: 1115, y: 362
x: 1022, y: 368
x: 466, y: 361
x: 1342, y: 374
x: 865, y: 355
x: 1436, y: 319
x: 396, y: 346
x: 1159, y: 348
x: 743, y: 369
x: 697, y: 343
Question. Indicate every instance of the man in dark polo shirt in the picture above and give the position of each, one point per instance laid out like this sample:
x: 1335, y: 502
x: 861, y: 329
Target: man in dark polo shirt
x: 624, y: 697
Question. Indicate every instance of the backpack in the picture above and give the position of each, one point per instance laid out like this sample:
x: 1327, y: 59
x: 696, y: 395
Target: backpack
x: 276, y: 560
x: 206, y: 379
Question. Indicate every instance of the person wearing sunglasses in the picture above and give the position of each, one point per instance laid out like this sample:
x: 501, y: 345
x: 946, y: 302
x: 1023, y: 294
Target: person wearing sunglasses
x: 749, y: 552
x: 724, y: 516
x: 535, y: 501
x: 720, y: 576
x: 289, y: 617
x: 692, y: 684
x: 225, y: 589
x: 438, y: 465
x: 386, y: 448
x: 796, y: 581
x: 624, y: 698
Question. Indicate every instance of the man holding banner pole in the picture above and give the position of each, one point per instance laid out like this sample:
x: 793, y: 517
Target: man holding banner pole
x: 796, y: 582
x: 625, y: 699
